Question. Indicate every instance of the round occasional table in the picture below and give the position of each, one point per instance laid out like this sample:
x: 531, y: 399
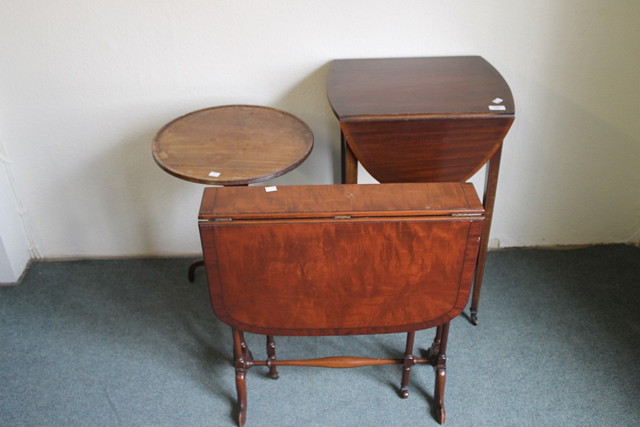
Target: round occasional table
x: 232, y: 145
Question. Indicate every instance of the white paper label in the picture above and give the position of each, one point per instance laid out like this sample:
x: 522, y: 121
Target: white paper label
x: 497, y: 107
x: 497, y: 101
x: 214, y: 174
x: 270, y: 189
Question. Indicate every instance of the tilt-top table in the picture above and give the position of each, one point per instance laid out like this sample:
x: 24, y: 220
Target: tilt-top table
x: 423, y: 120
x: 232, y: 145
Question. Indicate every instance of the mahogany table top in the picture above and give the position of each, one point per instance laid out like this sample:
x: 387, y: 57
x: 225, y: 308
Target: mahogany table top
x: 413, y: 87
x: 232, y: 145
x: 340, y: 259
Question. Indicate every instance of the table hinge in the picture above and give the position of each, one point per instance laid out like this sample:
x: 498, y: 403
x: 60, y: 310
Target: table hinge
x: 342, y: 217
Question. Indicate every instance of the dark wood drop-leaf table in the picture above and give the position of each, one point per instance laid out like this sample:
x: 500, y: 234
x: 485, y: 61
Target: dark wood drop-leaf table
x: 438, y: 119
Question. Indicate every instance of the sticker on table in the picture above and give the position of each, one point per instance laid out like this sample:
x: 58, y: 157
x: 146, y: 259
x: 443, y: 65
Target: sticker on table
x: 497, y: 107
x: 214, y: 174
x: 271, y: 189
x: 497, y: 101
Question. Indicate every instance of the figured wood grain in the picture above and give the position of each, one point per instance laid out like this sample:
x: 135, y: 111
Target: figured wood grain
x: 296, y: 265
x: 335, y: 278
x: 282, y: 274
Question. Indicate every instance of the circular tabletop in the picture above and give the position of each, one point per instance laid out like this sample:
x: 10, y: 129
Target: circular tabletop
x: 232, y: 145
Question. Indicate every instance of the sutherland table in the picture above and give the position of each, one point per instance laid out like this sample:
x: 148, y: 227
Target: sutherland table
x: 341, y: 260
x: 232, y: 145
x: 423, y: 120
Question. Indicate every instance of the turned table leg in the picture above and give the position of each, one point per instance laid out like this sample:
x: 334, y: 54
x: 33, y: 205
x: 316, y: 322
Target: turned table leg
x: 242, y: 362
x: 271, y: 357
x: 441, y: 375
x: 409, y: 361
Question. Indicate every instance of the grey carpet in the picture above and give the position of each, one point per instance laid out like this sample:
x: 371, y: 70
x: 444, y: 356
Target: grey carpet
x: 131, y: 342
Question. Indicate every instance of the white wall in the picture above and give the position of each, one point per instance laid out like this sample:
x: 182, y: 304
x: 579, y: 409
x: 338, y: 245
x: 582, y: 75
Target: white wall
x: 85, y: 86
x: 14, y: 246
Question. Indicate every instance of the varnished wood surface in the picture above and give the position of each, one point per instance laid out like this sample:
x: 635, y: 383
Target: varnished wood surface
x: 436, y: 356
x: 338, y: 362
x: 286, y: 270
x: 340, y: 260
x: 243, y: 144
x: 327, y: 201
x: 419, y: 119
x: 416, y: 87
x: 336, y: 277
x: 423, y: 120
x: 425, y: 150
x: 488, y: 201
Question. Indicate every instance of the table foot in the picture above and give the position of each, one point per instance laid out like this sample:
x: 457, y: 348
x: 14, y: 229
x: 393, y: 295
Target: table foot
x: 474, y: 319
x: 192, y: 269
x: 404, y: 392
x: 441, y: 415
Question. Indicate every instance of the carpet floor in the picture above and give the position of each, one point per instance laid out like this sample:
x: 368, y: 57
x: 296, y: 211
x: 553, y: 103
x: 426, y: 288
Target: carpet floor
x: 131, y: 342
